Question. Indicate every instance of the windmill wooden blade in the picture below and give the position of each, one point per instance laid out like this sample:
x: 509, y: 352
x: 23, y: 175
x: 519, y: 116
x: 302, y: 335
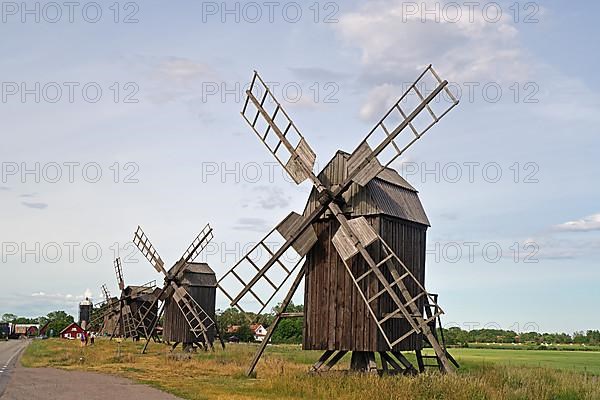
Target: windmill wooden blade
x: 119, y: 273
x: 390, y: 138
x: 277, y: 131
x: 293, y: 224
x: 148, y: 288
x: 105, y: 292
x: 263, y: 271
x: 104, y: 309
x: 194, y: 250
x: 345, y: 244
x: 143, y: 244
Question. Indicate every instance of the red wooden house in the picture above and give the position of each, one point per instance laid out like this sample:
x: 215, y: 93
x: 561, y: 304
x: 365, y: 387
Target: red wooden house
x: 73, y: 331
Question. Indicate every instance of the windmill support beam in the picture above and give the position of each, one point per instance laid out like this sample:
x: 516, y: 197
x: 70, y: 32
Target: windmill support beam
x: 117, y: 324
x: 407, y: 364
x: 278, y: 317
x: 386, y: 358
x: 153, y: 327
x: 322, y: 366
x: 322, y: 360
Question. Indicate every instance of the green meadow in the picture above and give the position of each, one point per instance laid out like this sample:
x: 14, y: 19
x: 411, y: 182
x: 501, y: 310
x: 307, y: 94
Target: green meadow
x: 282, y: 373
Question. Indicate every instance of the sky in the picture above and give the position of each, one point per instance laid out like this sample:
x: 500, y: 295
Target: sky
x: 115, y: 115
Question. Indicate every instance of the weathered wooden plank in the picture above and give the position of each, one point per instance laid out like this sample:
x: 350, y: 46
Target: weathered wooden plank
x: 332, y: 305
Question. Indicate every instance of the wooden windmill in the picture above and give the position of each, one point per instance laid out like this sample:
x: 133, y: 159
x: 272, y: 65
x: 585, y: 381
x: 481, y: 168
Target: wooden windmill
x: 364, y: 284
x: 106, y: 313
x: 137, y: 307
x: 188, y: 294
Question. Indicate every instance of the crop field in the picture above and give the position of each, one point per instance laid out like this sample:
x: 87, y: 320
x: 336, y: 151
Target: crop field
x: 282, y: 373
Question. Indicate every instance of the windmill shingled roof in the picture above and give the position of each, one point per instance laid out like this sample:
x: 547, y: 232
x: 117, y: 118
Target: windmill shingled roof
x: 388, y: 193
x: 388, y: 174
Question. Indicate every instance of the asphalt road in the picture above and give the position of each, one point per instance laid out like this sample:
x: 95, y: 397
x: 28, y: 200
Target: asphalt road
x: 9, y: 353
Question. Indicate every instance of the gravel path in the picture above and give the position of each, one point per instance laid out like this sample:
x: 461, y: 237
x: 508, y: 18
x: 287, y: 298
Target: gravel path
x: 49, y: 383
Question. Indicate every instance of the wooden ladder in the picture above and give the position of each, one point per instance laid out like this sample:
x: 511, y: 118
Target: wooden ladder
x: 434, y: 324
x: 129, y: 325
x: 151, y: 314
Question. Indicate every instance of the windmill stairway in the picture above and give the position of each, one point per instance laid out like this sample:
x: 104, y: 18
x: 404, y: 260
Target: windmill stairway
x: 147, y: 315
x: 129, y: 326
x: 198, y: 320
x: 434, y: 324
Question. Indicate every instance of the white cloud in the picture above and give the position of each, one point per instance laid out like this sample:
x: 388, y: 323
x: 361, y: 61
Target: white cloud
x: 586, y: 224
x: 396, y: 45
x: 182, y: 70
x: 169, y: 78
x: 379, y: 99
x: 36, y: 206
x: 251, y: 224
x: 305, y: 102
x: 396, y: 42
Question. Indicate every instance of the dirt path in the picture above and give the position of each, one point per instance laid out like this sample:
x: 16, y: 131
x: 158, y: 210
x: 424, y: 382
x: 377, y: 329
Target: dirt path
x: 49, y: 383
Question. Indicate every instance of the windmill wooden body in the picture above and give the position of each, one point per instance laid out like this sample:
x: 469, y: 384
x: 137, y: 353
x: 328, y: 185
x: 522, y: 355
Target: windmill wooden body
x: 110, y: 319
x: 334, y: 317
x: 188, y: 294
x: 137, y: 308
x: 359, y: 243
x: 200, y: 281
x: 105, y: 318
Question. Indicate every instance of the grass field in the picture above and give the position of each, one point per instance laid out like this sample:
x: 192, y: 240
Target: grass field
x: 282, y: 373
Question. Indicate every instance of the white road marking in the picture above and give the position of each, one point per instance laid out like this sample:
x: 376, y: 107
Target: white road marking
x: 5, y: 368
x: 12, y: 357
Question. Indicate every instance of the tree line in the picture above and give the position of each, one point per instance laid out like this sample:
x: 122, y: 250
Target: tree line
x: 457, y: 336
x: 289, y: 330
x: 57, y: 321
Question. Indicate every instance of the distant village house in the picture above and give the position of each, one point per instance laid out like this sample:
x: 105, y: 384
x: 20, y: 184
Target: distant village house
x: 258, y: 331
x: 25, y: 330
x: 73, y: 331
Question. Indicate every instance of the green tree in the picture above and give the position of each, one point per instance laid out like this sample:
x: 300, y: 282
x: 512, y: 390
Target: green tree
x: 593, y: 337
x: 229, y: 317
x: 59, y: 320
x: 8, y: 317
x: 244, y: 333
x: 289, y: 330
x: 456, y: 336
x: 24, y: 320
x: 580, y: 338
